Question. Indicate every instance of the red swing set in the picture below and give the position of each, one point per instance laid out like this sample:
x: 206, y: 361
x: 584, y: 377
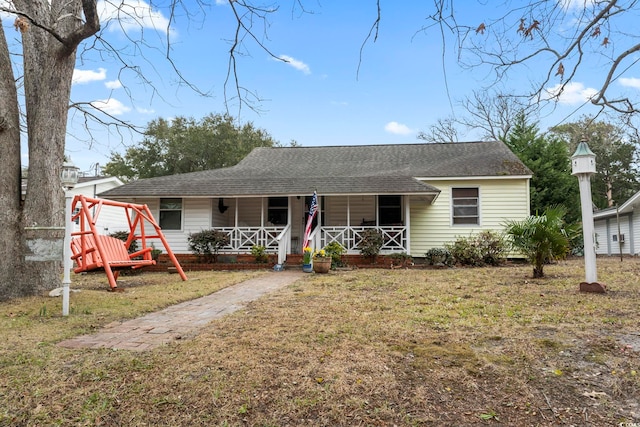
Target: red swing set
x: 93, y: 251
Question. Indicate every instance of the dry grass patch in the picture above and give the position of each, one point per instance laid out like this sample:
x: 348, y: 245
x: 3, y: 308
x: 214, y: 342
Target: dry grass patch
x: 366, y: 347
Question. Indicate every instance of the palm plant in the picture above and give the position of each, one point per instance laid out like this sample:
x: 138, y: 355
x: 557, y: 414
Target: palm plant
x: 542, y: 238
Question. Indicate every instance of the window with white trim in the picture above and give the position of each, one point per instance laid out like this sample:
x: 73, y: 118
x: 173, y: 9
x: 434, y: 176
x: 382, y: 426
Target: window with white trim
x: 465, y: 206
x: 170, y: 214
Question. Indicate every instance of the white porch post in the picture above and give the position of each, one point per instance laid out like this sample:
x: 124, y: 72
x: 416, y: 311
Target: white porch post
x: 407, y: 221
x: 235, y: 214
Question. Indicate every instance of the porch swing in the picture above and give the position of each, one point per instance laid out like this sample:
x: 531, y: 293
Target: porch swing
x: 93, y: 251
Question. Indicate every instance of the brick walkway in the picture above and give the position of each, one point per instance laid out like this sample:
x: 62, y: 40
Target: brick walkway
x: 182, y: 320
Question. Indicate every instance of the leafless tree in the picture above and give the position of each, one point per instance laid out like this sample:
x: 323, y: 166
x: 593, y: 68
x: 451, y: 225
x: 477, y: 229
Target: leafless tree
x: 490, y: 115
x: 444, y: 130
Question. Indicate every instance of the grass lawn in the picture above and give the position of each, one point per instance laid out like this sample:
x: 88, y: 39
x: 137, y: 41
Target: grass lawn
x: 454, y: 347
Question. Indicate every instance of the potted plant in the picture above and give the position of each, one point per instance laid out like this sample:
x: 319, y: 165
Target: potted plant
x: 321, y: 261
x: 306, y: 260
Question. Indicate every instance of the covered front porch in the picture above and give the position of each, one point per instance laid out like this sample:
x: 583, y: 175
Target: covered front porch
x: 278, y: 223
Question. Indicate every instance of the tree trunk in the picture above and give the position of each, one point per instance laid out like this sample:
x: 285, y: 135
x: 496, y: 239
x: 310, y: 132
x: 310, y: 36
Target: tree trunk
x: 51, y: 31
x: 610, y: 201
x: 10, y: 172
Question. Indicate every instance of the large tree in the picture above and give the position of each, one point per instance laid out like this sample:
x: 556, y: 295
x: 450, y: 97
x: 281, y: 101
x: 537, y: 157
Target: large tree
x: 51, y: 32
x: 36, y: 70
x: 548, y: 158
x: 617, y: 177
x: 188, y: 145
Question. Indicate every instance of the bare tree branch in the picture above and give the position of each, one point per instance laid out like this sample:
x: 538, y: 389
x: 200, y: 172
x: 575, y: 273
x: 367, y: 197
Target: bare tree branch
x: 539, y: 32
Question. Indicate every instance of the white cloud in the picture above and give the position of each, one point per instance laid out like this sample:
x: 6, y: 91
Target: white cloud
x: 630, y: 82
x: 132, y: 15
x: 573, y: 93
x: 575, y: 4
x: 295, y: 63
x: 113, y: 84
x: 111, y: 106
x: 221, y: 2
x: 145, y: 110
x: 87, y: 76
x: 397, y: 128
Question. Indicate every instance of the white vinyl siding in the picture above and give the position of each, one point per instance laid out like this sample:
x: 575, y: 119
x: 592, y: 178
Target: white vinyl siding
x: 607, y: 238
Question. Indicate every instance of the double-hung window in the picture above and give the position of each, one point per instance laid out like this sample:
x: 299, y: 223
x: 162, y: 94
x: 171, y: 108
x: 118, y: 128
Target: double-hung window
x: 171, y: 214
x: 465, y: 206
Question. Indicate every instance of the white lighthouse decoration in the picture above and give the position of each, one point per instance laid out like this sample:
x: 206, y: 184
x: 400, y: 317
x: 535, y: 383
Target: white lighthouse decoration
x: 583, y: 165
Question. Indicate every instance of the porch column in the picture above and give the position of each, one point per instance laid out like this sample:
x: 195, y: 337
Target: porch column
x: 407, y: 221
x: 262, y: 212
x: 235, y: 217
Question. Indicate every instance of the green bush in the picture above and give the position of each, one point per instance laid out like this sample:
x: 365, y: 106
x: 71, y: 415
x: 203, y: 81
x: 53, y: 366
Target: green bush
x: 485, y: 248
x: 371, y: 242
x: 335, y: 250
x: 208, y: 243
x: 439, y: 256
x: 493, y: 247
x: 464, y: 251
x: 402, y: 259
x: 260, y: 253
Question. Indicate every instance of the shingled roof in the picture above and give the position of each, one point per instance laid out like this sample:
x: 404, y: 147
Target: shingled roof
x: 361, y: 169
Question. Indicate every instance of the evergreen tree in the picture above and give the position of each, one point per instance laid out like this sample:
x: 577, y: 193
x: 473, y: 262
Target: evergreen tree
x: 548, y: 157
x: 617, y: 176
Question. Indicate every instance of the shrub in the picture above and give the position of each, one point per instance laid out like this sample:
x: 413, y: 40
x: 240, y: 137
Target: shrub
x: 260, y: 253
x: 371, y: 242
x: 492, y: 246
x: 335, y: 250
x: 439, y: 256
x: 208, y: 243
x: 485, y: 248
x: 401, y: 259
x: 464, y: 252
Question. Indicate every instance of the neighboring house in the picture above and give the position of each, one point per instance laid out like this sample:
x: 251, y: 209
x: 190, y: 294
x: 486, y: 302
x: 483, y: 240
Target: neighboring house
x: 618, y: 228
x: 420, y: 196
x: 109, y: 219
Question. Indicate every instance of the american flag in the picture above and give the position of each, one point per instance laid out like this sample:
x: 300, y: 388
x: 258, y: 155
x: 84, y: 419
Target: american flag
x: 313, y: 209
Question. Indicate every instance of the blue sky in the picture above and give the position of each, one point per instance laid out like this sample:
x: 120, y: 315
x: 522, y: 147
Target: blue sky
x: 317, y: 98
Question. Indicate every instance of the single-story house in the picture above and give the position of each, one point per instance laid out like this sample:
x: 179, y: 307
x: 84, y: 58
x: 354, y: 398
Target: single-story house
x: 617, y: 229
x: 420, y: 196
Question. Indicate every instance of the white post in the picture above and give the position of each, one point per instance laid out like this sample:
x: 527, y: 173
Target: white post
x: 68, y: 178
x: 583, y: 165
x: 591, y: 275
x: 66, y: 281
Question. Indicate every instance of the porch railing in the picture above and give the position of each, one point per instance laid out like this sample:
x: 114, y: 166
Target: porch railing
x: 278, y: 239
x: 394, y: 237
x: 242, y: 239
x: 284, y: 244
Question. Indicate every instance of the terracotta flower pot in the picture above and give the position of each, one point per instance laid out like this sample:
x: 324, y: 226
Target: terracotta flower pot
x: 322, y: 265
